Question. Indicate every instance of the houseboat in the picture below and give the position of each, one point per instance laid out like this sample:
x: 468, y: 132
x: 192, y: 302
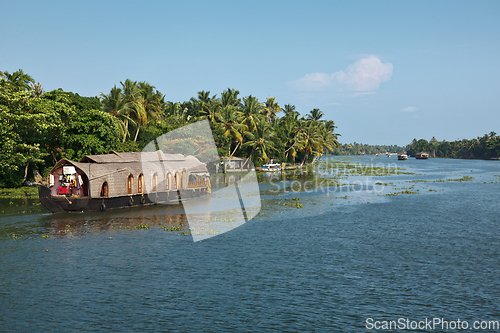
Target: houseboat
x: 123, y: 180
x: 422, y: 156
x: 402, y: 157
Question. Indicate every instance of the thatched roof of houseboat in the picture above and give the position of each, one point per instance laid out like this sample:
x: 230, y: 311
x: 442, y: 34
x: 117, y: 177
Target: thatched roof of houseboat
x: 114, y: 157
x: 98, y: 165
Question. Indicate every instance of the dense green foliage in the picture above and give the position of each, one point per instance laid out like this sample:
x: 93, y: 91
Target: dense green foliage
x: 36, y: 130
x: 241, y: 127
x: 39, y: 128
x: 364, y: 149
x: 485, y: 147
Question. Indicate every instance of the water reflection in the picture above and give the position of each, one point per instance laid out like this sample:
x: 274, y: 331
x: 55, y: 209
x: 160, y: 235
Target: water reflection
x: 80, y: 224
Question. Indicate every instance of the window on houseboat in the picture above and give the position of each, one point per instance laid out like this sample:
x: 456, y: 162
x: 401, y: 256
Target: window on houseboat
x: 155, y: 182
x: 130, y: 184
x: 104, y: 189
x: 177, y: 181
x: 183, y: 179
x: 140, y: 181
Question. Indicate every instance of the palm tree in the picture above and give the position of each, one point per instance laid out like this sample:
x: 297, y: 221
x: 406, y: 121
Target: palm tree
x: 329, y: 138
x: 147, y: 104
x: 293, y: 132
x: 261, y: 141
x: 250, y: 112
x: 229, y: 122
x: 130, y: 91
x: 113, y: 103
x: 175, y: 110
x: 271, y: 108
x: 311, y: 140
x: 17, y: 81
x: 315, y: 115
x: 37, y: 89
x: 202, y: 103
x: 230, y: 97
x: 213, y: 111
x: 290, y: 113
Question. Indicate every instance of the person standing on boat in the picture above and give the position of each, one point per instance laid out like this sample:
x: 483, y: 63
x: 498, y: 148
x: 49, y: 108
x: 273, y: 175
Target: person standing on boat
x: 72, y: 185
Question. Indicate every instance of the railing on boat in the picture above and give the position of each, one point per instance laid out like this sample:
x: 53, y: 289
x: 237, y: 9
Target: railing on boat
x: 197, y: 183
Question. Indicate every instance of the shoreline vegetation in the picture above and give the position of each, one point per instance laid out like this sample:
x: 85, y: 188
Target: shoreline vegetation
x: 39, y: 128
x: 486, y: 147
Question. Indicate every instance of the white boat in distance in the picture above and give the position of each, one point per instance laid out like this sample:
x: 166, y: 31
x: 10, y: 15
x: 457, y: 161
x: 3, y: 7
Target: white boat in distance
x: 271, y: 167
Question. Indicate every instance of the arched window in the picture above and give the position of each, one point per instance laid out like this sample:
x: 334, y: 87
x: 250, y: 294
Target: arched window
x: 154, y: 182
x: 177, y: 181
x: 183, y: 179
x: 167, y: 182
x: 130, y: 184
x: 140, y: 183
x: 104, y: 189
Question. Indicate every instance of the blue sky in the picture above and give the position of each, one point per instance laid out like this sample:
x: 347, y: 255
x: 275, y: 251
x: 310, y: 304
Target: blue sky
x: 385, y: 71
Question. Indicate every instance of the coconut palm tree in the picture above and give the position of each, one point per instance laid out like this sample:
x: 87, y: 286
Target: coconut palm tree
x: 230, y: 97
x: 290, y: 113
x: 113, y: 103
x: 293, y: 132
x: 315, y: 115
x: 147, y: 105
x: 202, y: 103
x: 229, y: 122
x: 129, y: 111
x: 311, y: 140
x: 17, y: 81
x: 271, y: 108
x: 213, y: 111
x: 174, y: 109
x: 261, y: 141
x: 37, y: 89
x: 328, y: 137
x: 250, y: 112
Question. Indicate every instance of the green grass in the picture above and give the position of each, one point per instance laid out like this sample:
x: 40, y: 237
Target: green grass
x: 19, y: 193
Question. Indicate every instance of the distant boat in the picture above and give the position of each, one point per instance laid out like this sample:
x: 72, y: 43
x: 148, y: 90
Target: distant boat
x: 422, y: 156
x: 388, y: 154
x: 271, y: 167
x: 402, y: 157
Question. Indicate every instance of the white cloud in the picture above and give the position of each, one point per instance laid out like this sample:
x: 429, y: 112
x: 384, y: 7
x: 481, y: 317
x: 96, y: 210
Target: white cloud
x: 365, y: 74
x: 409, y: 109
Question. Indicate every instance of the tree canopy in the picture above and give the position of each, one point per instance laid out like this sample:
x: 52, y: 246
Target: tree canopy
x: 485, y: 147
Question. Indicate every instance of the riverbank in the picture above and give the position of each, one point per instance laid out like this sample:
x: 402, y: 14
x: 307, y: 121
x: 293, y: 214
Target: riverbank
x: 288, y: 167
x: 19, y: 192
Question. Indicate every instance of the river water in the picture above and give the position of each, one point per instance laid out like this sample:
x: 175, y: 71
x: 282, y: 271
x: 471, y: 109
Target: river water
x: 410, y: 240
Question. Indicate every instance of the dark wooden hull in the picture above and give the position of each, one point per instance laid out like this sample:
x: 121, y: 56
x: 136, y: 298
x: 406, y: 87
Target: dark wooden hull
x: 61, y: 203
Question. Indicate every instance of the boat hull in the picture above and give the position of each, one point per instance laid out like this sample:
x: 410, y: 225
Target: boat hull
x: 60, y: 203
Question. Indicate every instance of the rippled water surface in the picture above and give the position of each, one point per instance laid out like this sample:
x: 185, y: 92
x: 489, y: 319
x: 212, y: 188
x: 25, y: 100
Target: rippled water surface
x: 421, y: 242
